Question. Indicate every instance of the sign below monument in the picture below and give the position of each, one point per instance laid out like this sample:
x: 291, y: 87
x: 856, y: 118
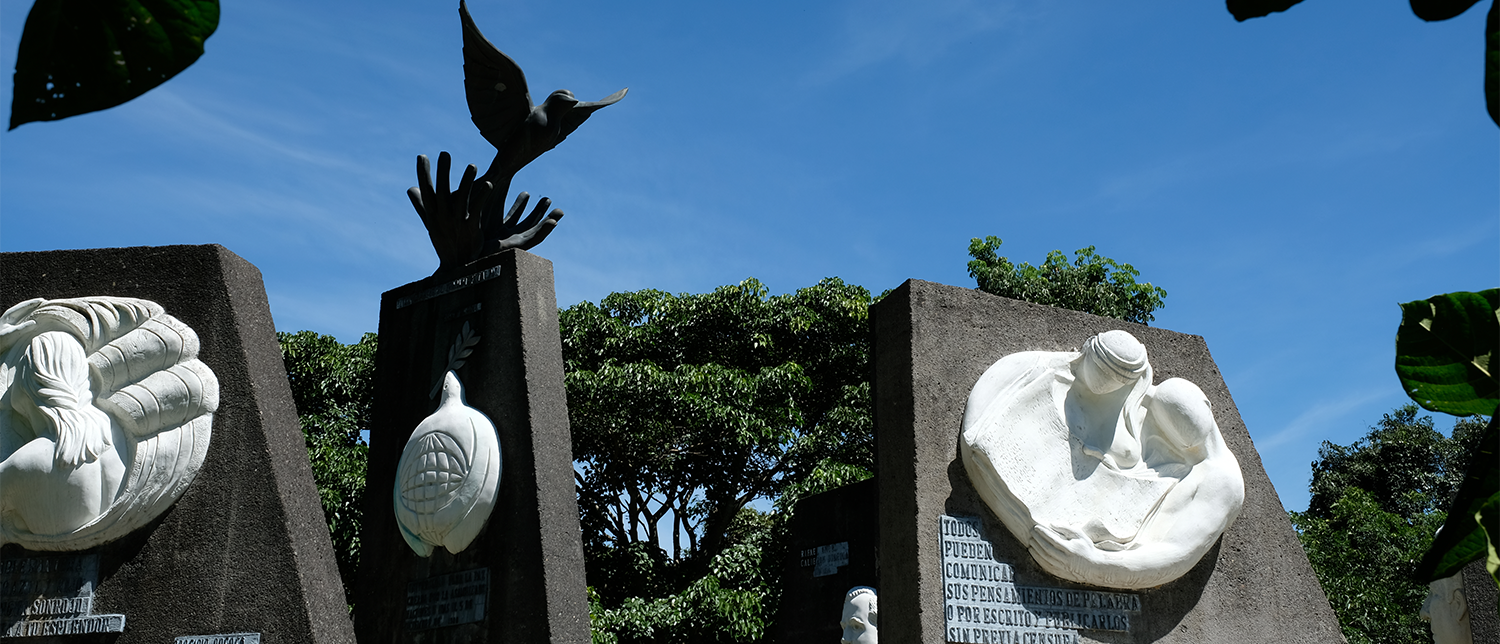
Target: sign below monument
x: 982, y: 603
x: 227, y: 638
x: 447, y: 600
x: 826, y: 560
x: 44, y: 596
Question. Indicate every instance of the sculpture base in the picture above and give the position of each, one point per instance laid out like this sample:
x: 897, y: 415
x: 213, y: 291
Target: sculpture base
x: 245, y: 549
x: 931, y: 344
x: 521, y: 579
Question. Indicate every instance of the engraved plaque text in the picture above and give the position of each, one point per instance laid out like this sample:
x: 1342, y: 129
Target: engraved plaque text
x: 983, y: 604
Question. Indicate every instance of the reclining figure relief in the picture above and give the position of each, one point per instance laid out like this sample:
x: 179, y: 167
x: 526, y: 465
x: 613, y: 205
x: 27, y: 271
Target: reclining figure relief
x: 105, y: 418
x: 1108, y: 479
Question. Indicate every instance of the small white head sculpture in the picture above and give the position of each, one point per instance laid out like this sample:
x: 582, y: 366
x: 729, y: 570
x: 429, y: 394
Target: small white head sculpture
x: 448, y: 475
x: 861, y: 616
x: 1447, y: 608
x: 1112, y: 360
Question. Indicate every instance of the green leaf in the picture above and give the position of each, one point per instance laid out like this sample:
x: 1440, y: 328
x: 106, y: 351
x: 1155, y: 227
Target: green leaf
x: 1435, y: 10
x: 1243, y: 10
x: 1492, y: 62
x: 1445, y: 352
x: 1463, y: 538
x: 80, y: 56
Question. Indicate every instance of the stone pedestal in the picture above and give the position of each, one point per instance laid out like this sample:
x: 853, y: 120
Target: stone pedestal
x: 245, y: 549
x: 522, y: 578
x: 931, y: 344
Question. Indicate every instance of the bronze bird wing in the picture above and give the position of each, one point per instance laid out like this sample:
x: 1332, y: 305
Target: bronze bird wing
x: 494, y: 86
x: 580, y: 113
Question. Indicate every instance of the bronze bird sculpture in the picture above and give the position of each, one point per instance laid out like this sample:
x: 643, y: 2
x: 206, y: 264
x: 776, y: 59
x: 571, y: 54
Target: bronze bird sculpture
x: 468, y: 223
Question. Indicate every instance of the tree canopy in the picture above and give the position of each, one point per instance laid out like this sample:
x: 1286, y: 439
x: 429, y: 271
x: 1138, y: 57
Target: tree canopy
x: 684, y: 409
x: 333, y: 386
x: 1092, y: 283
x: 1375, y: 506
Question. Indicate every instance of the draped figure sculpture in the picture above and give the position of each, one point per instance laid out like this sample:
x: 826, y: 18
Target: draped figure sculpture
x: 1107, y: 479
x: 105, y: 418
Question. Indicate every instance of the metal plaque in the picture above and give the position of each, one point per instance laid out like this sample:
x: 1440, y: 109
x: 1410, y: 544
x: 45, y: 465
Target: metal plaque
x: 52, y: 595
x: 227, y: 638
x: 982, y: 603
x: 446, y: 600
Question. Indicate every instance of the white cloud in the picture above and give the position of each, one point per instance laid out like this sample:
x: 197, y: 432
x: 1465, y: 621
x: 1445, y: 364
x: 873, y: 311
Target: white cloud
x: 1314, y: 421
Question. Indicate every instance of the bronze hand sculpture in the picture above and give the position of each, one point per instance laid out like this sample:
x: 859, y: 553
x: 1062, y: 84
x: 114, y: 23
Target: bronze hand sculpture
x: 467, y: 223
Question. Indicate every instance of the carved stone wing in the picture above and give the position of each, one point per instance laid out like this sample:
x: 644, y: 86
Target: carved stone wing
x: 494, y: 86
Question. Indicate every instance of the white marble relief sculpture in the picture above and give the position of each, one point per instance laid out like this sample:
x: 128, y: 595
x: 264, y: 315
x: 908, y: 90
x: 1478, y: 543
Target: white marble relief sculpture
x: 861, y: 617
x: 105, y: 418
x: 1447, y: 611
x: 1107, y: 479
x: 448, y: 475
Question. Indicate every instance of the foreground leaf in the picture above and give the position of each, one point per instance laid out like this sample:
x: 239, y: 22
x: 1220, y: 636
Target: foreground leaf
x: 1445, y: 352
x: 1435, y: 10
x: 1492, y: 62
x: 1243, y: 10
x: 80, y: 56
x: 1463, y: 538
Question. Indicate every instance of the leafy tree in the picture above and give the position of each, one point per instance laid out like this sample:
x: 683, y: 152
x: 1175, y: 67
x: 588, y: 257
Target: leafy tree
x: 80, y: 57
x: 1092, y: 283
x: 684, y: 409
x: 1375, y: 506
x: 333, y: 386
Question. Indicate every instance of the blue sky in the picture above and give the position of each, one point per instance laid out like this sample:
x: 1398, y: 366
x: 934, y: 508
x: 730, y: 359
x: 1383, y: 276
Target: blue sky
x: 1288, y: 180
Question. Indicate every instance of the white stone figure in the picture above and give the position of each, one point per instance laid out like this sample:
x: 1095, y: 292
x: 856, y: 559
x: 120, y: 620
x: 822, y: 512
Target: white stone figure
x: 861, y: 617
x: 1447, y: 609
x: 448, y: 475
x: 105, y: 418
x: 1108, y: 480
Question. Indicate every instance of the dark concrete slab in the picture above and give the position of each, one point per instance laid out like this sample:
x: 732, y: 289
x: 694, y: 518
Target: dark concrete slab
x: 246, y: 548
x: 531, y: 545
x: 932, y: 342
x: 812, y: 599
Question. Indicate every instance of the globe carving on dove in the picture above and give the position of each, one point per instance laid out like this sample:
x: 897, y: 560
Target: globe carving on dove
x: 448, y: 475
x: 1107, y: 479
x: 105, y: 418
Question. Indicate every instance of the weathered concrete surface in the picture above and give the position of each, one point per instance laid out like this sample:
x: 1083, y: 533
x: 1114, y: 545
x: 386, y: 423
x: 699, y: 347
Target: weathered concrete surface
x: 246, y: 548
x: 531, y: 544
x: 1484, y: 611
x: 931, y: 343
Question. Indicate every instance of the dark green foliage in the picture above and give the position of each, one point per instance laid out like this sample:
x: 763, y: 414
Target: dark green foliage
x: 1446, y: 347
x: 1492, y: 62
x: 79, y: 56
x: 333, y: 386
x: 684, y: 409
x: 1408, y: 465
x: 1435, y: 10
x: 732, y: 602
x: 1375, y: 506
x: 1092, y: 283
x: 1363, y: 556
x: 1243, y: 10
x: 1473, y: 524
x: 1429, y: 10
